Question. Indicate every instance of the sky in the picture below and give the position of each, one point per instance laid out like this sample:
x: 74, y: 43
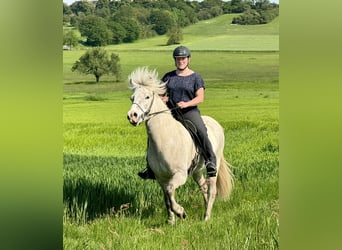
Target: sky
x: 71, y: 1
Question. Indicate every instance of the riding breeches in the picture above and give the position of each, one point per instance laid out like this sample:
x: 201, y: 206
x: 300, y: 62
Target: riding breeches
x: 202, y: 135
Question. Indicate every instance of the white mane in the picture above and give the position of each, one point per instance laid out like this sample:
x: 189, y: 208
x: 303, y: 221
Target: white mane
x: 143, y: 77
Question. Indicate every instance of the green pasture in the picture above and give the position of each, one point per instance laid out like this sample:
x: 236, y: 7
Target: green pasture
x: 107, y: 206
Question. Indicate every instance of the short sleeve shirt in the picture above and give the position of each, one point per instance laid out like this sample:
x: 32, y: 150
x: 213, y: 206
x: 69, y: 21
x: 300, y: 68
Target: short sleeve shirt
x: 182, y: 88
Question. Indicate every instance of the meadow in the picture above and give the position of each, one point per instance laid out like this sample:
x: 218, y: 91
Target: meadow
x: 107, y: 206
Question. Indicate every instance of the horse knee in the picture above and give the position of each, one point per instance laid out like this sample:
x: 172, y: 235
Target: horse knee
x: 170, y: 190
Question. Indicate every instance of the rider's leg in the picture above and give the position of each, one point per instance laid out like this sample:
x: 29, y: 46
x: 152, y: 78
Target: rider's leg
x: 207, y: 151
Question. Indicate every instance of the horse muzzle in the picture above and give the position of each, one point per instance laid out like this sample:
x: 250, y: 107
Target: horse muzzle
x: 133, y: 118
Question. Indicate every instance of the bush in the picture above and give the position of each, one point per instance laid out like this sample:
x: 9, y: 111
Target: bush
x: 175, y: 36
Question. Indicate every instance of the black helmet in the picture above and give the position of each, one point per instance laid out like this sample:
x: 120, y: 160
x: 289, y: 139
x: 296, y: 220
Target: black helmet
x: 181, y: 51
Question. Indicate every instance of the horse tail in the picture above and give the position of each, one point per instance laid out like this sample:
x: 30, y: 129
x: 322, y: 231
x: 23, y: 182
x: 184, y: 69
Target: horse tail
x: 225, y: 181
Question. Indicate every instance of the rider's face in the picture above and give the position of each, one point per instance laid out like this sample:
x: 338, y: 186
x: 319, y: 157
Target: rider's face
x: 182, y: 62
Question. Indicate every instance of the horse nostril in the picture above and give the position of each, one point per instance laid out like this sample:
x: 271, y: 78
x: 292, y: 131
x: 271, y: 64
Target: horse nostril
x: 135, y: 115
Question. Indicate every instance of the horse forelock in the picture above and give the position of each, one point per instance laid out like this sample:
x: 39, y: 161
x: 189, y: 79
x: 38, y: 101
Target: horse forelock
x: 143, y: 77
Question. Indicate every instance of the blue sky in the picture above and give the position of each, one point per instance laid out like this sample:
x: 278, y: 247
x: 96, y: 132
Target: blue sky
x: 71, y: 1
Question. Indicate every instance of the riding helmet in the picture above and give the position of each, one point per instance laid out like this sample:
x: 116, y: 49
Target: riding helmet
x: 181, y: 51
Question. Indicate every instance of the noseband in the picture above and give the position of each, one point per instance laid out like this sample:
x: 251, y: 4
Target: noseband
x: 147, y: 114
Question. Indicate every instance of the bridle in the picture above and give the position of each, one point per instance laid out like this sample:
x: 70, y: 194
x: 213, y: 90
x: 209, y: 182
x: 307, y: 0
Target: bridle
x: 147, y: 115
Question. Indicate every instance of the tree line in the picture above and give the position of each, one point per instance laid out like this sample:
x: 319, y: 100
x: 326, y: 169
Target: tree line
x: 105, y: 22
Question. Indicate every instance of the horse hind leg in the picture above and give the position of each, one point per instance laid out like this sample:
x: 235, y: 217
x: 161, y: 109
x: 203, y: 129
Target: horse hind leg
x: 208, y: 190
x: 211, y: 197
x: 202, y: 184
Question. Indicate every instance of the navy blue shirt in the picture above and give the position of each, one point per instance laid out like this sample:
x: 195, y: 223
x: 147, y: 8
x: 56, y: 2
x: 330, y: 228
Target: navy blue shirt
x: 183, y: 88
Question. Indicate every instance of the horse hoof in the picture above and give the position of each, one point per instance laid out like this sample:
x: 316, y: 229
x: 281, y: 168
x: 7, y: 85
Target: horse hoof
x: 171, y: 222
x: 183, y: 216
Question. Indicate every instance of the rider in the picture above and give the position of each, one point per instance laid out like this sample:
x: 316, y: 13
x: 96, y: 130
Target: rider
x: 185, y: 90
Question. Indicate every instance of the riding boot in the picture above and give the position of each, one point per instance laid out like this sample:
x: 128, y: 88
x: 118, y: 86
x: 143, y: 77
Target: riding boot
x: 147, y: 173
x: 211, y: 169
x: 210, y: 158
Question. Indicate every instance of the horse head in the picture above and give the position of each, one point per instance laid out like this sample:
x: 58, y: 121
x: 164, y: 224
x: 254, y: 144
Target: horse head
x: 142, y: 100
x: 145, y: 84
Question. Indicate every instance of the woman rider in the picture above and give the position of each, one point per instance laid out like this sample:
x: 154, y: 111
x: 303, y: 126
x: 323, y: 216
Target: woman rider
x: 185, y: 90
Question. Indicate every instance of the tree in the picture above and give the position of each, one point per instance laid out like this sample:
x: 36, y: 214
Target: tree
x: 260, y: 13
x: 96, y: 31
x: 98, y: 62
x: 162, y: 21
x: 102, y: 8
x: 66, y: 13
x: 238, y: 6
x: 82, y: 7
x: 132, y: 29
x: 70, y: 38
x: 119, y: 32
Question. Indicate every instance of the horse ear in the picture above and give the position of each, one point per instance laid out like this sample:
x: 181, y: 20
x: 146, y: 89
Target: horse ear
x: 131, y: 83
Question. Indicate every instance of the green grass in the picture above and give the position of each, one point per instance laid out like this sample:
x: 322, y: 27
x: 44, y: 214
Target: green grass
x: 103, y: 153
x: 215, y: 67
x: 107, y: 206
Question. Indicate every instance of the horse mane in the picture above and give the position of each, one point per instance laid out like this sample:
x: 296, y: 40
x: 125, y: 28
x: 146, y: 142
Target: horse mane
x: 143, y: 77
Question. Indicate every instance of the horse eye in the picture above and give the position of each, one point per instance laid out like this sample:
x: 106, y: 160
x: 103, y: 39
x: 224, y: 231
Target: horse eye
x: 147, y: 97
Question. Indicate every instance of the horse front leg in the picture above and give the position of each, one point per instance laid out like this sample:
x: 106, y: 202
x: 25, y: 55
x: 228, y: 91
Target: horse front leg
x: 175, y: 207
x: 171, y: 215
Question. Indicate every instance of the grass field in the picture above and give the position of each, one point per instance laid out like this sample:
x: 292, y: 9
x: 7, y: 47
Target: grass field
x: 107, y: 206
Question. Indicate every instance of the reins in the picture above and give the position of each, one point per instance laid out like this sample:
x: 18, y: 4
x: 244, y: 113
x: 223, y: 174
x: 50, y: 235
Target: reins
x: 150, y: 115
x: 192, y: 131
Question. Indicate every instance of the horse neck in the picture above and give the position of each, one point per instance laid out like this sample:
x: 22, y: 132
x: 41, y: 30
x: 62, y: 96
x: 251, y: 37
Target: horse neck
x: 161, y: 121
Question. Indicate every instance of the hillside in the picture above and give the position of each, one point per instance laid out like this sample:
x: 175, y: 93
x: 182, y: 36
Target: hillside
x: 217, y: 34
x: 211, y: 37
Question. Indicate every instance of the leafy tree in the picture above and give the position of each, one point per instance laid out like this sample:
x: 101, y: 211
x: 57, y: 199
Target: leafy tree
x: 119, y: 32
x: 162, y: 21
x: 100, y: 4
x: 180, y: 17
x: 98, y: 62
x: 248, y: 17
x: 126, y: 17
x: 66, y: 9
x: 66, y: 13
x: 102, y: 8
x: 84, y: 7
x: 95, y: 29
x: 70, y: 38
x: 226, y: 7
x: 238, y: 6
x: 203, y: 15
x: 132, y: 29
x: 260, y: 13
x: 215, y: 11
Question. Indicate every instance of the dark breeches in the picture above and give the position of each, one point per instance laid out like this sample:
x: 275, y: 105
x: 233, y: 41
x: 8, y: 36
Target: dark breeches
x: 202, y: 136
